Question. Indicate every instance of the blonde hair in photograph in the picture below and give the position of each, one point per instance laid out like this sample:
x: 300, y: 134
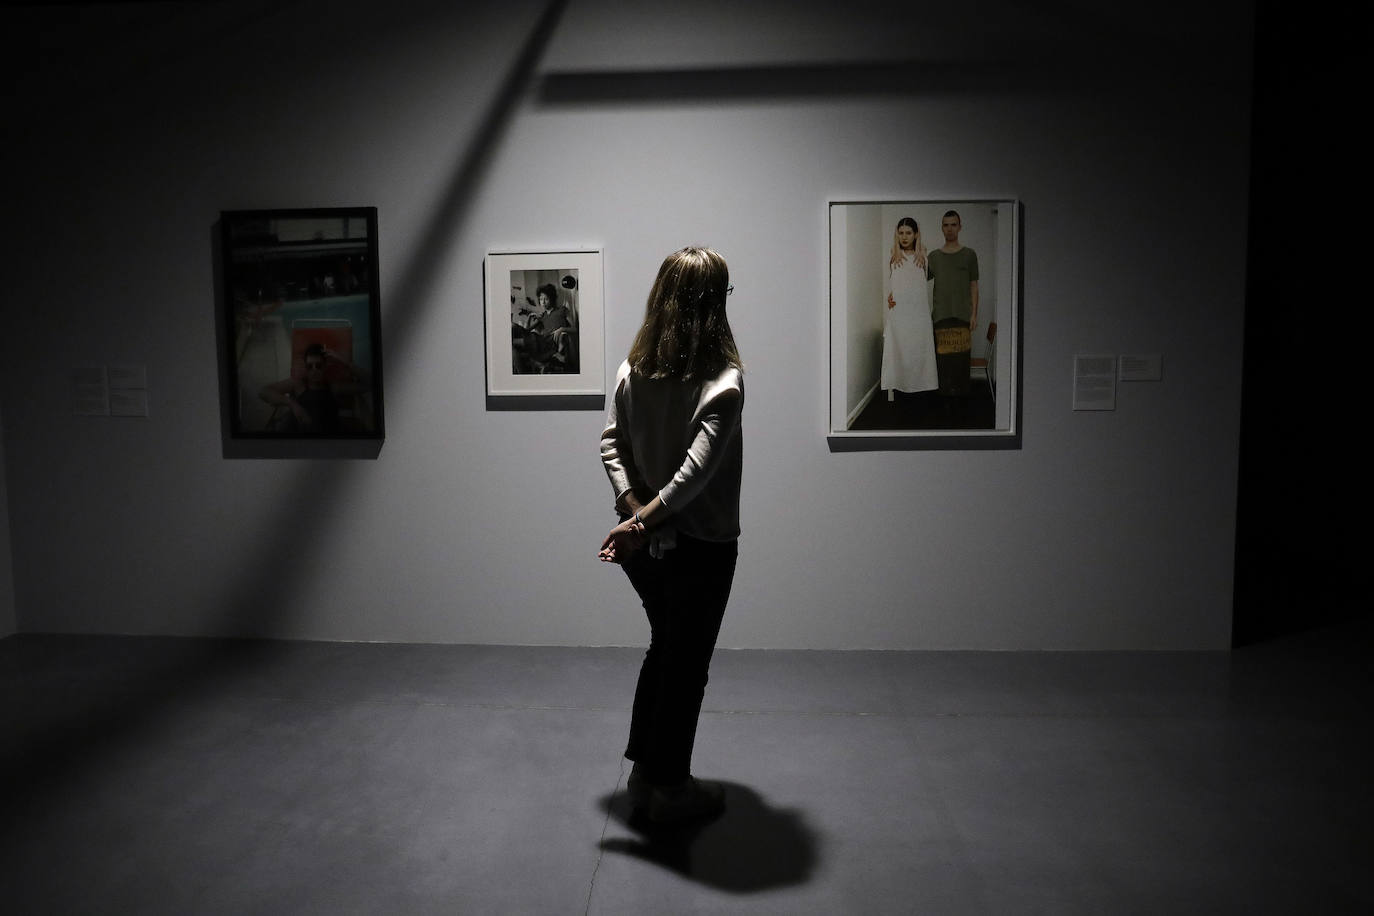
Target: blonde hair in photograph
x: 918, y: 246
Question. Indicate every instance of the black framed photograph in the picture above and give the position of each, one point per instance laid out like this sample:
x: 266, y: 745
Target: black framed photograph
x: 303, y: 308
x: 544, y: 322
x: 925, y: 324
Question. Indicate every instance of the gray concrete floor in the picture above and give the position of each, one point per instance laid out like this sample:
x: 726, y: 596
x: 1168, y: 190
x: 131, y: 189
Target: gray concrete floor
x: 202, y: 776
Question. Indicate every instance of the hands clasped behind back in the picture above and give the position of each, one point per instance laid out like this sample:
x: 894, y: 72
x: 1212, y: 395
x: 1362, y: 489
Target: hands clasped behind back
x: 624, y: 540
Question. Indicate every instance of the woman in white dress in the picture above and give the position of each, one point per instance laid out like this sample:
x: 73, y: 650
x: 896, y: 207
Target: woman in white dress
x: 908, y: 340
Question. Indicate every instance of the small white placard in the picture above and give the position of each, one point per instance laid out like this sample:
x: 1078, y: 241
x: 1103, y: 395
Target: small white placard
x: 1094, y: 382
x: 90, y: 392
x: 128, y: 402
x: 1147, y: 367
x: 126, y: 377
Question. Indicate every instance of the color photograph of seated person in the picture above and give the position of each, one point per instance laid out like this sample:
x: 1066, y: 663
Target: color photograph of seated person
x: 313, y: 404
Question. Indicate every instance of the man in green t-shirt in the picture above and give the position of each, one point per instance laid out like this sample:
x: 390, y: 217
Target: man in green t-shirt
x: 953, y: 305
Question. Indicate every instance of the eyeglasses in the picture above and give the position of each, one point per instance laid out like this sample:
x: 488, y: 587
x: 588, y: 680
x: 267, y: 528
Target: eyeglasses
x: 729, y: 290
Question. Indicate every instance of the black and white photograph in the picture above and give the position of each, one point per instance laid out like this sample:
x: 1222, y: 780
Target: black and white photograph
x: 544, y: 323
x: 924, y: 320
x: 543, y: 306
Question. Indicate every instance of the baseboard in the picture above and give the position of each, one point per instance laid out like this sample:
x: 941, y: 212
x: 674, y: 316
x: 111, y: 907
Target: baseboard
x: 863, y: 402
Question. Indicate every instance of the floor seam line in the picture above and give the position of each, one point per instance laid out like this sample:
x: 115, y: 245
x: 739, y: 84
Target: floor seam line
x: 601, y: 844
x: 1337, y: 716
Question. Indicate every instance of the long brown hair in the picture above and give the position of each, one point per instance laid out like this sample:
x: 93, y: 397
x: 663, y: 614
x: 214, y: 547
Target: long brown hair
x: 685, y: 334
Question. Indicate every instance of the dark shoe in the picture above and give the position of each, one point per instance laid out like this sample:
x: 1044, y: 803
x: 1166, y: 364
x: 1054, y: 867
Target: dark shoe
x: 693, y: 799
x: 638, y: 788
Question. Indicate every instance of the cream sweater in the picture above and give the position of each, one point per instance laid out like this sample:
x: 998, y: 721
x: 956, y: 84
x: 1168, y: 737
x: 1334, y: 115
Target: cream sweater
x: 681, y: 440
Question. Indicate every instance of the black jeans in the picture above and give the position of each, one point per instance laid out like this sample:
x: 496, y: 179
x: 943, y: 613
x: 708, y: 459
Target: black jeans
x: 684, y: 594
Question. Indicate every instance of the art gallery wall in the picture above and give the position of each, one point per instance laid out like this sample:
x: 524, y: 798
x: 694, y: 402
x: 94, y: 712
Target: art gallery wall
x: 635, y: 129
x: 8, y: 622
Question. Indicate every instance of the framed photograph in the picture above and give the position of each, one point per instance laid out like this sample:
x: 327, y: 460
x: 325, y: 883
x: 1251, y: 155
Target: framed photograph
x: 925, y: 324
x: 303, y: 312
x: 544, y: 318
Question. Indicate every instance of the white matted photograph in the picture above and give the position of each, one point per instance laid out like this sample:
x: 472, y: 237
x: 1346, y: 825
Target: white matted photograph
x: 924, y: 323
x: 544, y: 321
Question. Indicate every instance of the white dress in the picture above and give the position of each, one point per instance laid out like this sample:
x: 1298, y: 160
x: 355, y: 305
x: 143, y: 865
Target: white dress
x: 908, y: 340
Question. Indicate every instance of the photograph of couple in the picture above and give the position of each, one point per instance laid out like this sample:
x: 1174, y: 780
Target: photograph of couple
x: 922, y: 294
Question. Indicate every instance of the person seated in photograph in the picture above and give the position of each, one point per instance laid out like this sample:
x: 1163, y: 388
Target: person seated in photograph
x: 546, y: 340
x: 312, y: 402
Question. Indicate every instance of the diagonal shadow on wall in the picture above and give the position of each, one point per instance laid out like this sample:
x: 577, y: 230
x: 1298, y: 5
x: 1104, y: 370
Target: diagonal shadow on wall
x: 279, y: 563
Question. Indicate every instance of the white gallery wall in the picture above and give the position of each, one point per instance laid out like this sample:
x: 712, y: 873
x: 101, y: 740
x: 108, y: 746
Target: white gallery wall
x: 519, y: 125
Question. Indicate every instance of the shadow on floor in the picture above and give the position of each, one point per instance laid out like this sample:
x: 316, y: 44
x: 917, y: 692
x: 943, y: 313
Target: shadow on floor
x: 751, y: 847
x: 73, y: 700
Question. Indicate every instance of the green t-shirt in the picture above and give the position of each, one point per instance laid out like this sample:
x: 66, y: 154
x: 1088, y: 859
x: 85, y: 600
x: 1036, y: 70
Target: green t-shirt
x: 952, y: 273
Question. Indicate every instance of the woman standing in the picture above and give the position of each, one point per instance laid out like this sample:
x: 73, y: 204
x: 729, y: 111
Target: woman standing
x: 672, y: 448
x: 908, y: 341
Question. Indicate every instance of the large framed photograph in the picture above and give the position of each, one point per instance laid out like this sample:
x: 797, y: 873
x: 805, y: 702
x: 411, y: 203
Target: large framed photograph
x: 925, y: 324
x: 303, y: 312
x: 544, y: 321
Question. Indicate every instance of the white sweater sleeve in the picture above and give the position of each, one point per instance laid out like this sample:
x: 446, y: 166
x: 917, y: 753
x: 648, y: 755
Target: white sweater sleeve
x: 716, y: 423
x: 617, y: 453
